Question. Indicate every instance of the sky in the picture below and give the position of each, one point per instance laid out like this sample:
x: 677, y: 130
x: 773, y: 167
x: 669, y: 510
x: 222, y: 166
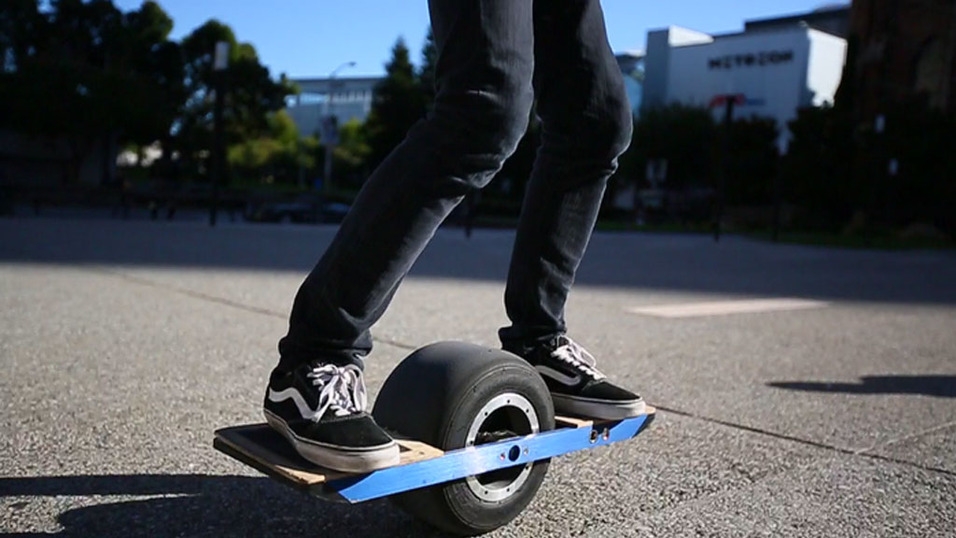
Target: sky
x: 311, y: 38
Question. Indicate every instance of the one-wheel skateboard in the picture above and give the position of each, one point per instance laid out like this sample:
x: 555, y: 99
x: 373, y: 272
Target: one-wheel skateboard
x: 477, y: 431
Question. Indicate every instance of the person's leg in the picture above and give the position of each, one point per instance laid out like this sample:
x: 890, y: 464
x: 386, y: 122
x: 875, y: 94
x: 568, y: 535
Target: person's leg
x: 482, y: 106
x: 586, y: 125
x: 316, y: 394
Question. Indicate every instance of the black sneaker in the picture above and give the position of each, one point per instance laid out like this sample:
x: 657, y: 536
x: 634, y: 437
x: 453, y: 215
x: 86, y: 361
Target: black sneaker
x: 320, y: 409
x: 576, y: 386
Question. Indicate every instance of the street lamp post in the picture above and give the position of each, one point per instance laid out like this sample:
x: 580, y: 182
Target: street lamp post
x: 783, y: 148
x: 220, y: 63
x: 329, y: 126
x: 723, y: 169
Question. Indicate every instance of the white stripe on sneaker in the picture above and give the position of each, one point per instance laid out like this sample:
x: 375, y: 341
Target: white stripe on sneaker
x: 292, y: 394
x: 559, y: 376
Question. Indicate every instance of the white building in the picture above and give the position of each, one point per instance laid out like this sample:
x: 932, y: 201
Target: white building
x: 775, y: 65
x: 774, y: 70
x: 351, y: 98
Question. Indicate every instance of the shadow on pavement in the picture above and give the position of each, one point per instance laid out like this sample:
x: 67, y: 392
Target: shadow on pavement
x: 943, y: 386
x: 672, y: 262
x: 201, y: 505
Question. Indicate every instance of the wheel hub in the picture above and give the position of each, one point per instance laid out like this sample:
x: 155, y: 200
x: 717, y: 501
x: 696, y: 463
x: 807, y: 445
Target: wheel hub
x: 506, y: 415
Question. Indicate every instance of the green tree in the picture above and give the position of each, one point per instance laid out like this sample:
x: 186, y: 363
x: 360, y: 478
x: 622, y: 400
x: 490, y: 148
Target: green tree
x: 753, y: 161
x: 681, y: 135
x: 271, y: 154
x: 921, y: 188
x: 397, y: 105
x: 84, y: 73
x: 58, y: 77
x: 159, y: 64
x: 280, y: 155
x: 352, y: 152
x: 426, y: 75
x: 22, y: 29
x: 816, y: 172
x: 251, y: 95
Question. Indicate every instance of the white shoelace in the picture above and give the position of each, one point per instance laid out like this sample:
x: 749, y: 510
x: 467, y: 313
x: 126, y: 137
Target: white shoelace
x: 342, y: 390
x: 573, y: 354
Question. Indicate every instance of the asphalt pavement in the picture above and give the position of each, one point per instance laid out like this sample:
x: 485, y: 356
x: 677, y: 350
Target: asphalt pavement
x: 124, y: 344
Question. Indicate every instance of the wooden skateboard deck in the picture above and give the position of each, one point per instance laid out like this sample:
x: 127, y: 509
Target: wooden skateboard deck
x: 262, y: 448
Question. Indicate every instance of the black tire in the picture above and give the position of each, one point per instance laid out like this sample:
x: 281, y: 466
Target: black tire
x: 436, y: 395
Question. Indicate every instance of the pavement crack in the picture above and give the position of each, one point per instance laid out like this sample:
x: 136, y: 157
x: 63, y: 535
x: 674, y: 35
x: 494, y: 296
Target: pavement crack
x: 934, y: 429
x: 864, y: 453
x: 221, y: 300
x: 189, y: 293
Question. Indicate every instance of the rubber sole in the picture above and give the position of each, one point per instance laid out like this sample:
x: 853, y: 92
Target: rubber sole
x: 598, y: 409
x: 338, y: 459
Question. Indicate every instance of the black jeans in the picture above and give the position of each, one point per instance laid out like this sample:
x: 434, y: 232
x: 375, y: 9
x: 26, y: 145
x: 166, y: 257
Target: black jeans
x: 495, y: 58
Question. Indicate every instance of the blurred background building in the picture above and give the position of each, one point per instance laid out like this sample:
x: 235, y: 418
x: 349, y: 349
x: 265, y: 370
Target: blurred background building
x: 832, y: 19
x: 632, y: 66
x: 346, y: 98
x: 775, y: 66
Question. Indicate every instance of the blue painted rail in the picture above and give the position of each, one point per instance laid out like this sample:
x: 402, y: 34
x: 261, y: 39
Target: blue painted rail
x: 259, y: 447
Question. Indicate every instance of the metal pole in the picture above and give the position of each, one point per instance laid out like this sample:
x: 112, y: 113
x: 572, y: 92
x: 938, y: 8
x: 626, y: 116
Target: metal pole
x: 724, y: 165
x: 216, y: 150
x: 220, y: 62
x: 329, y: 144
x: 783, y: 150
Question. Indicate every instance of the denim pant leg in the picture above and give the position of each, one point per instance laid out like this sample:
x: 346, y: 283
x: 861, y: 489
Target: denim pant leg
x: 586, y: 126
x: 483, y: 102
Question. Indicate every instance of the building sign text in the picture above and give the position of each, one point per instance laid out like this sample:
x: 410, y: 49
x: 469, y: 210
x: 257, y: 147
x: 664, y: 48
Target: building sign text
x: 730, y: 61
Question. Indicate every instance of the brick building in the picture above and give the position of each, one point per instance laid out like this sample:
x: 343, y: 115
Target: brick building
x: 901, y: 49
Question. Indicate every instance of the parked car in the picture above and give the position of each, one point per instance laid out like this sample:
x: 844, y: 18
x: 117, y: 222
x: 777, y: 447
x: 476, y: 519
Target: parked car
x: 306, y: 208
